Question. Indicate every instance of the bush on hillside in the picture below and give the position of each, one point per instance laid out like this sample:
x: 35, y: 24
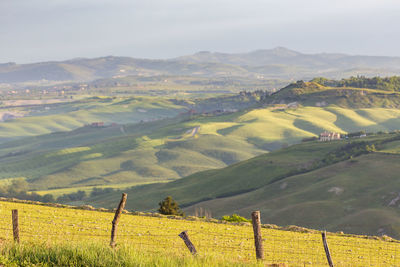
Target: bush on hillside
x: 79, y: 195
x: 309, y: 139
x: 101, y: 191
x: 357, y: 134
x: 348, y: 151
x: 235, y: 218
x: 170, y: 207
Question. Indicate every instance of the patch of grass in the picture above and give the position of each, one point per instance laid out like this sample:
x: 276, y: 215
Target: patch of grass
x: 95, y: 254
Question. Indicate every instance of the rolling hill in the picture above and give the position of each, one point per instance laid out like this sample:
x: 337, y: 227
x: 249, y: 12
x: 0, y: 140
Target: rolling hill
x: 315, y: 94
x: 174, y: 148
x: 214, y: 135
x: 21, y: 117
x: 303, y: 185
x: 171, y: 143
x: 213, y: 157
x: 36, y: 117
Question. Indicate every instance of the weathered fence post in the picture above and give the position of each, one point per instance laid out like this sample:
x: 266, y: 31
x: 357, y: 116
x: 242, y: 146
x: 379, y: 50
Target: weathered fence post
x: 15, y: 225
x: 328, y: 254
x: 255, y: 217
x: 118, y: 212
x: 188, y: 243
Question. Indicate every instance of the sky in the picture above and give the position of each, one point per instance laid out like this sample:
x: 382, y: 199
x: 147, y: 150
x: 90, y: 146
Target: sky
x: 43, y: 30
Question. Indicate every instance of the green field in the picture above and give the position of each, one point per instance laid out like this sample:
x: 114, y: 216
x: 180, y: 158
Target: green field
x: 53, y: 236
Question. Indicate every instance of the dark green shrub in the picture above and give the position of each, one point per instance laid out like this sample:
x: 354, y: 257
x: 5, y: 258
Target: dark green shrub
x: 170, y: 207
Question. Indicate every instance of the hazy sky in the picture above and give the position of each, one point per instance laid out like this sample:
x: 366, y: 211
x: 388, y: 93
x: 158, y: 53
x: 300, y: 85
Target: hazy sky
x: 39, y: 30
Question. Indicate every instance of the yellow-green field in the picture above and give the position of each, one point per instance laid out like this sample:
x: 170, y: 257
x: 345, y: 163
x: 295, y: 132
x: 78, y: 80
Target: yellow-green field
x: 224, y: 243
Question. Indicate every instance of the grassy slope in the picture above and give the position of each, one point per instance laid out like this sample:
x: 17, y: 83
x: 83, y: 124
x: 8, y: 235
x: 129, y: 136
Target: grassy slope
x: 76, y: 237
x: 353, y: 196
x: 67, y: 116
x: 334, y: 197
x: 166, y: 149
x: 242, y: 176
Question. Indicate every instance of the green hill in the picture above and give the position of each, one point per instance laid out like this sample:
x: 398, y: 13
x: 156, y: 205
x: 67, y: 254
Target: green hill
x: 315, y: 94
x: 174, y: 148
x: 335, y: 185
x: 213, y: 136
x: 37, y: 117
x: 20, y: 118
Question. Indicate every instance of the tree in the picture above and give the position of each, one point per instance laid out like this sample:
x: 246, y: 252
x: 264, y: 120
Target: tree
x: 170, y: 207
x: 18, y: 186
x: 48, y: 198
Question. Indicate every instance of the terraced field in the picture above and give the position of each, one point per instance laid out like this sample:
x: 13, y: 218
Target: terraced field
x: 217, y: 243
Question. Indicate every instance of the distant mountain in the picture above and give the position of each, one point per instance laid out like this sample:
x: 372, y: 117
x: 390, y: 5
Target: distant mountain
x: 284, y: 56
x: 274, y: 63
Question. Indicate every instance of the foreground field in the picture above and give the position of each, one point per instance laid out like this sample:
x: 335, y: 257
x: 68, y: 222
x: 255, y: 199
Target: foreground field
x: 64, y: 236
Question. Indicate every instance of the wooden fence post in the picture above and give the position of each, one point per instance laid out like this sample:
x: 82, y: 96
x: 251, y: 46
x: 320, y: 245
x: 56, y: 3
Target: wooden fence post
x: 255, y: 217
x: 188, y: 243
x: 118, y: 212
x: 15, y: 225
x: 328, y: 254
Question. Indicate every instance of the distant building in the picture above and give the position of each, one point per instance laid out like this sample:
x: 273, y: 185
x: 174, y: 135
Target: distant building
x: 329, y: 136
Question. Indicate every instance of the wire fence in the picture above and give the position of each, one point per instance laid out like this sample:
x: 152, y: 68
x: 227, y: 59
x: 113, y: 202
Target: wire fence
x: 158, y: 235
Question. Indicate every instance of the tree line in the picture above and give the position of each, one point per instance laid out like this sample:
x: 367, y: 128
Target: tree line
x: 19, y: 188
x: 386, y: 83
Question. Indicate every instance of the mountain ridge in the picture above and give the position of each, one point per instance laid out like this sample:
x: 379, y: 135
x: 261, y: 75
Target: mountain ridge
x: 278, y: 62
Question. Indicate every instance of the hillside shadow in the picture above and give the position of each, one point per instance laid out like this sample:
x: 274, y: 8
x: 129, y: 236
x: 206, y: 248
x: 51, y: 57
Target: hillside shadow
x: 308, y: 126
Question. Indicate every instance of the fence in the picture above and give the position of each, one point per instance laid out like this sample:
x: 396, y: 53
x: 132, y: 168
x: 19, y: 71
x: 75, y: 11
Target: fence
x: 161, y: 235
